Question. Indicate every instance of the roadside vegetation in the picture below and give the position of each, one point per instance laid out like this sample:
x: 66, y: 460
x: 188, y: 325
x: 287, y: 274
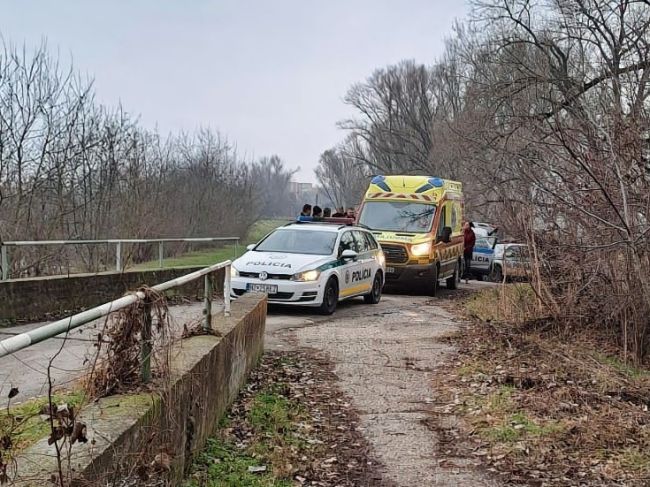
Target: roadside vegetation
x: 211, y: 256
x: 289, y: 426
x: 539, y: 404
x: 28, y: 422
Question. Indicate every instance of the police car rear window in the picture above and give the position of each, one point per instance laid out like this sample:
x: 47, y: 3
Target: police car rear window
x: 299, y: 242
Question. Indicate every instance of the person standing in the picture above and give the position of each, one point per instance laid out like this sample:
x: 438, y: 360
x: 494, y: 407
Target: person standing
x: 306, y: 210
x: 327, y: 212
x: 468, y: 250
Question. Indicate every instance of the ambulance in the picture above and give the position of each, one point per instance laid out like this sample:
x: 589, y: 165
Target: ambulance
x: 418, y: 223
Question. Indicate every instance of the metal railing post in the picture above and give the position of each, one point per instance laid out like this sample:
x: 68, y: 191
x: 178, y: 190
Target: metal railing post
x: 161, y: 252
x: 4, y: 261
x: 236, y: 249
x: 207, y: 291
x: 118, y: 256
x: 226, y: 291
x: 146, y: 347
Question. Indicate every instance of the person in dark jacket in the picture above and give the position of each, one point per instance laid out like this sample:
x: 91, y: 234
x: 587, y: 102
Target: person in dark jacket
x: 327, y: 212
x: 317, y: 213
x: 469, y: 240
x: 306, y: 210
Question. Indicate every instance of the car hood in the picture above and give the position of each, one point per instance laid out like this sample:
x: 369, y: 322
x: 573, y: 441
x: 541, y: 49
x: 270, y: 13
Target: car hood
x: 278, y: 263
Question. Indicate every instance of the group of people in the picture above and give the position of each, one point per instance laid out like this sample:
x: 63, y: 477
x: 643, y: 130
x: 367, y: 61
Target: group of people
x: 316, y: 213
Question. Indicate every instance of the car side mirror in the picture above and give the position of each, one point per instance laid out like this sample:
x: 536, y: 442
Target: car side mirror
x: 250, y: 247
x: 349, y: 254
x: 446, y: 235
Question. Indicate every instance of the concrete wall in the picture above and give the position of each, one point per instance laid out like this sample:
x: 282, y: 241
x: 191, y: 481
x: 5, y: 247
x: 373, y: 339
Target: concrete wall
x: 36, y: 299
x: 126, y: 432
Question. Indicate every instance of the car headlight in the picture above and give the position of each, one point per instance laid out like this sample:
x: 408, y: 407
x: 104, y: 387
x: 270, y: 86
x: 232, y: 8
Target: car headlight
x: 422, y: 249
x: 233, y: 272
x: 306, y: 276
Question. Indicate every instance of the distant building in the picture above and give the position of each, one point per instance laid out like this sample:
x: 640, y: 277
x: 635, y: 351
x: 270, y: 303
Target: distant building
x: 308, y: 193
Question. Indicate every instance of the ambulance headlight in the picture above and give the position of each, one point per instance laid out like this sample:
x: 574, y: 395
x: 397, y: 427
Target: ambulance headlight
x: 307, y: 276
x: 233, y: 272
x: 420, y: 250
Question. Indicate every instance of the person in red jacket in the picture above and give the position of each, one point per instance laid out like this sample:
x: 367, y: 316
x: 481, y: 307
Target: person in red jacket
x: 470, y: 240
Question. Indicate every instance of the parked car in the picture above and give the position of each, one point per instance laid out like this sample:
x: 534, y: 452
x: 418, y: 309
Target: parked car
x: 483, y: 256
x: 484, y: 229
x: 510, y: 262
x: 312, y: 264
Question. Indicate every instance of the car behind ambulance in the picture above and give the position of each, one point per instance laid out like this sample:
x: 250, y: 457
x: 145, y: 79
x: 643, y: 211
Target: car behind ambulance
x: 312, y: 264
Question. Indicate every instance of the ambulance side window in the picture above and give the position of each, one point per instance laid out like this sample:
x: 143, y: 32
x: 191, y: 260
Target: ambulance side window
x: 347, y: 243
x: 443, y: 219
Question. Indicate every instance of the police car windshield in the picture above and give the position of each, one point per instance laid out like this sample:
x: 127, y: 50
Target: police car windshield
x: 316, y: 242
x: 397, y: 216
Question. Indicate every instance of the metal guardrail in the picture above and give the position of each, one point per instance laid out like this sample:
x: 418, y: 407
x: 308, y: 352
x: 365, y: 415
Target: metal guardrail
x: 119, y: 266
x: 24, y: 340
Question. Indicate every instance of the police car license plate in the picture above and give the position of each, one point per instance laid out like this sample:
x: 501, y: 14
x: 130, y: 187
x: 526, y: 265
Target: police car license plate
x: 262, y: 288
x: 390, y: 270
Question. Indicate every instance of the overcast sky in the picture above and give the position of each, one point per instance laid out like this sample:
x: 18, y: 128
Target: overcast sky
x: 269, y: 74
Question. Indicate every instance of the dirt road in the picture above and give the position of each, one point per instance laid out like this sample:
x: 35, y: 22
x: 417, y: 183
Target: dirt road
x: 383, y: 355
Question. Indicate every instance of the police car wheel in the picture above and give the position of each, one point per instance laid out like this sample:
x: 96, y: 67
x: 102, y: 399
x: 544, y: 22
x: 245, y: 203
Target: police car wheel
x: 330, y: 297
x: 496, y: 274
x: 374, y: 296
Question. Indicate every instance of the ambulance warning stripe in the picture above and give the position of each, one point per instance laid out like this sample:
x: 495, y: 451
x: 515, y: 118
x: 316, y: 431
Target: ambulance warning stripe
x: 421, y: 197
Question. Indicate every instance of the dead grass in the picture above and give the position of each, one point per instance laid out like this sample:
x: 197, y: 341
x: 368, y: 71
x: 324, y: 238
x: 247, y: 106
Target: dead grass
x: 117, y: 366
x: 541, y: 406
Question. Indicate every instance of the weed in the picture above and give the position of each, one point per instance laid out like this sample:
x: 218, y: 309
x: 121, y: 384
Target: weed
x: 626, y: 369
x: 512, y: 303
x: 517, y: 426
x: 225, y: 465
x: 635, y: 459
x: 29, y: 427
x: 271, y: 421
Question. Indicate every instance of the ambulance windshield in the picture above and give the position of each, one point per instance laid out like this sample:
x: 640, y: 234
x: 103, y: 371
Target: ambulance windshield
x: 397, y: 216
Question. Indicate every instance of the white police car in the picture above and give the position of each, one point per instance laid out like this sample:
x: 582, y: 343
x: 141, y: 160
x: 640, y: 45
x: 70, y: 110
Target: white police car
x: 312, y: 264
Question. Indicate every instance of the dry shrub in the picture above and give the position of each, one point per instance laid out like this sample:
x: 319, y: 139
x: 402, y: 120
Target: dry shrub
x: 118, y: 362
x: 543, y: 408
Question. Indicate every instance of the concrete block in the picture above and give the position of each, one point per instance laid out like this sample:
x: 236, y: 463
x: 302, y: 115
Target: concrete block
x: 127, y: 431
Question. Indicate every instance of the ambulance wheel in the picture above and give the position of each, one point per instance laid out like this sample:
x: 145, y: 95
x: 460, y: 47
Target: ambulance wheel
x: 330, y: 297
x: 374, y: 295
x: 433, y: 285
x: 452, y: 282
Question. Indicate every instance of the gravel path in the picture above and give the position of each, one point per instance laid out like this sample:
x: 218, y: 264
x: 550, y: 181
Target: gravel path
x: 385, y: 358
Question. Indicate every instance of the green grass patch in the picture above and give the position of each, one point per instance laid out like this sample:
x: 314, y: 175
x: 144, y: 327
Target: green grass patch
x: 211, y: 256
x: 272, y: 421
x: 518, y: 426
x: 628, y: 370
x: 634, y: 459
x: 225, y: 466
x: 25, y: 421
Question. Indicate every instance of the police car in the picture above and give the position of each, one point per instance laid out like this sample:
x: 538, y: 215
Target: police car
x: 312, y: 264
x: 483, y: 256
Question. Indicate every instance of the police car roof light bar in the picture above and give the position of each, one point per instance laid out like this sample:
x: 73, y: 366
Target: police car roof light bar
x: 332, y: 220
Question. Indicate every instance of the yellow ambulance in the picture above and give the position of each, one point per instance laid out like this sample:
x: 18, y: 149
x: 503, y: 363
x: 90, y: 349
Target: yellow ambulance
x: 418, y: 223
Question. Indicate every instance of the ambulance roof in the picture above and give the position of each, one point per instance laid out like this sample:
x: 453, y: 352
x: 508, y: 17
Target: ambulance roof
x: 421, y: 187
